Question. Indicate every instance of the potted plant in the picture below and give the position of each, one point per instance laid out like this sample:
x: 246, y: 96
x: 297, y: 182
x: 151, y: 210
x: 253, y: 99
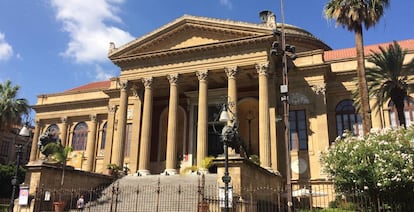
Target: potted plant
x: 205, y: 165
x: 113, y: 169
x: 60, y: 156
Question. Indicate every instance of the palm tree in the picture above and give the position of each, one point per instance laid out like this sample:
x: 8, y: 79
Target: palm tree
x: 60, y: 155
x: 389, y: 78
x: 11, y: 107
x: 352, y: 14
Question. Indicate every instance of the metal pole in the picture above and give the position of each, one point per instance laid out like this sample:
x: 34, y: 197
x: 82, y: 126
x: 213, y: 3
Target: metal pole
x: 14, y: 180
x: 286, y: 112
x: 226, y: 177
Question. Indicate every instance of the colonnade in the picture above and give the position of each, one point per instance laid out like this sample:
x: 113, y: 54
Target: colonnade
x: 119, y: 113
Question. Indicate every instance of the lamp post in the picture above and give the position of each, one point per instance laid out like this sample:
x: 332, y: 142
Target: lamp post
x: 286, y: 49
x: 283, y: 50
x: 19, y: 149
x: 227, y: 134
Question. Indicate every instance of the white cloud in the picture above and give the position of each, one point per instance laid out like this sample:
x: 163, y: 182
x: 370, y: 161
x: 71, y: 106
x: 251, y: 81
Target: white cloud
x: 89, y: 26
x: 226, y: 3
x: 101, y: 74
x: 6, y: 50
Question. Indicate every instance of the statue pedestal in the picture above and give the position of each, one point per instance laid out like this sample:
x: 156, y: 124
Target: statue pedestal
x: 244, y: 174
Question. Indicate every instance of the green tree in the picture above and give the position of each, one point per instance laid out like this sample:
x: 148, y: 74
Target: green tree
x: 353, y: 14
x: 379, y: 165
x: 11, y: 107
x: 389, y: 78
x: 6, y: 175
x: 60, y: 155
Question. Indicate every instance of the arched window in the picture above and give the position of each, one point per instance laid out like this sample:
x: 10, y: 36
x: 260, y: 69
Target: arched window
x: 103, y: 138
x: 53, y: 130
x: 80, y: 136
x: 408, y: 112
x: 347, y: 118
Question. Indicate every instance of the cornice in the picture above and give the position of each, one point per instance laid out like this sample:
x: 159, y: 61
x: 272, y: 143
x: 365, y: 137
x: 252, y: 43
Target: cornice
x: 193, y: 49
x: 212, y: 24
x: 70, y: 104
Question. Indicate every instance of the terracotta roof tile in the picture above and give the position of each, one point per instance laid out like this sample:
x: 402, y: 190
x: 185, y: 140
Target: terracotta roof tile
x: 351, y: 52
x: 91, y: 86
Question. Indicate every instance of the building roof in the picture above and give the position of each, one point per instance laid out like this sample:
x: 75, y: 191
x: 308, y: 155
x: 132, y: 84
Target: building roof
x: 351, y: 52
x: 91, y: 86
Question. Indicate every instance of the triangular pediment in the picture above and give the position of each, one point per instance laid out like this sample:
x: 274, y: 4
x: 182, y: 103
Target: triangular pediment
x: 189, y: 31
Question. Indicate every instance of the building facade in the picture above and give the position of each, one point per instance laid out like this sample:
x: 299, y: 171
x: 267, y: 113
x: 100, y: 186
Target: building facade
x: 160, y: 114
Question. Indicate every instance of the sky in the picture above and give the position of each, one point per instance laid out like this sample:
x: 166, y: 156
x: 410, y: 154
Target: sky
x: 50, y: 46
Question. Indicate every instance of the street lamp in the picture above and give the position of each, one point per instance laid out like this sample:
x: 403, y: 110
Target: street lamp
x: 228, y: 133
x: 24, y: 131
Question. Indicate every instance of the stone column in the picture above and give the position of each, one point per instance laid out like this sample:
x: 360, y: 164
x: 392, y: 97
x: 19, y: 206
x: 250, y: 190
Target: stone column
x: 63, y: 132
x: 119, y: 145
x: 231, y: 73
x: 264, y: 134
x: 171, y: 158
x: 34, y: 149
x: 90, y: 145
x: 109, y: 135
x: 136, y: 126
x: 202, y: 122
x: 144, y: 154
x: 272, y: 121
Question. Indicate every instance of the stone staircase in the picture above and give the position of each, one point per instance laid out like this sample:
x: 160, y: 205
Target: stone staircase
x: 155, y: 193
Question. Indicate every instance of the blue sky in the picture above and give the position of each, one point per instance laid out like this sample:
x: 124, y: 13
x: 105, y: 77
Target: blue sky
x: 49, y: 46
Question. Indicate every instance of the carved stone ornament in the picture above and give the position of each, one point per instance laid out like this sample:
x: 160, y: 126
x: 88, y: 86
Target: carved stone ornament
x: 123, y: 84
x: 172, y: 78
x: 298, y: 99
x: 147, y: 82
x: 319, y: 89
x: 93, y: 117
x: 112, y: 108
x: 136, y: 90
x: 231, y: 72
x: 262, y: 68
x: 64, y: 120
x: 202, y: 75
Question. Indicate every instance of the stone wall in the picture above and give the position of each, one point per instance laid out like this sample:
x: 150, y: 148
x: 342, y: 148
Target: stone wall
x: 49, y: 176
x: 245, y: 175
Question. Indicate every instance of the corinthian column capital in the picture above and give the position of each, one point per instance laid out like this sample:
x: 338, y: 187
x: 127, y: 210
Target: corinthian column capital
x: 262, y: 68
x: 123, y: 84
x: 202, y: 75
x: 231, y: 72
x: 147, y: 82
x: 173, y: 78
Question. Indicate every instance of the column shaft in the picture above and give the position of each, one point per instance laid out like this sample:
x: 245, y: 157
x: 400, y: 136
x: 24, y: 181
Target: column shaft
x: 136, y: 125
x: 110, y: 129
x: 90, y: 145
x: 119, y: 145
x: 171, y: 158
x: 264, y: 134
x: 144, y: 155
x: 202, y: 127
x: 232, y: 90
x: 63, y: 131
x: 34, y: 149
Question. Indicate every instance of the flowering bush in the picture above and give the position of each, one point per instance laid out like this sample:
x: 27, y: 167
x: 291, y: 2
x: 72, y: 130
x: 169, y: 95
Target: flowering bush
x: 380, y: 164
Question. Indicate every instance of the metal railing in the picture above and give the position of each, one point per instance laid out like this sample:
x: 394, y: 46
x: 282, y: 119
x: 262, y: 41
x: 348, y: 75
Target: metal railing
x: 314, y: 196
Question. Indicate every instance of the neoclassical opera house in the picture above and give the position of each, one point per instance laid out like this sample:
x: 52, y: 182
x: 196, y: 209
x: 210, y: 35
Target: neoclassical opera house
x: 160, y: 113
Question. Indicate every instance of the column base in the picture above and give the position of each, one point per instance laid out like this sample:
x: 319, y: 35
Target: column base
x: 143, y: 172
x: 170, y: 172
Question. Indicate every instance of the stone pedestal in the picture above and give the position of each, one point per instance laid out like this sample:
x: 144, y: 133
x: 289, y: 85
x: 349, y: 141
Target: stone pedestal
x: 246, y: 174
